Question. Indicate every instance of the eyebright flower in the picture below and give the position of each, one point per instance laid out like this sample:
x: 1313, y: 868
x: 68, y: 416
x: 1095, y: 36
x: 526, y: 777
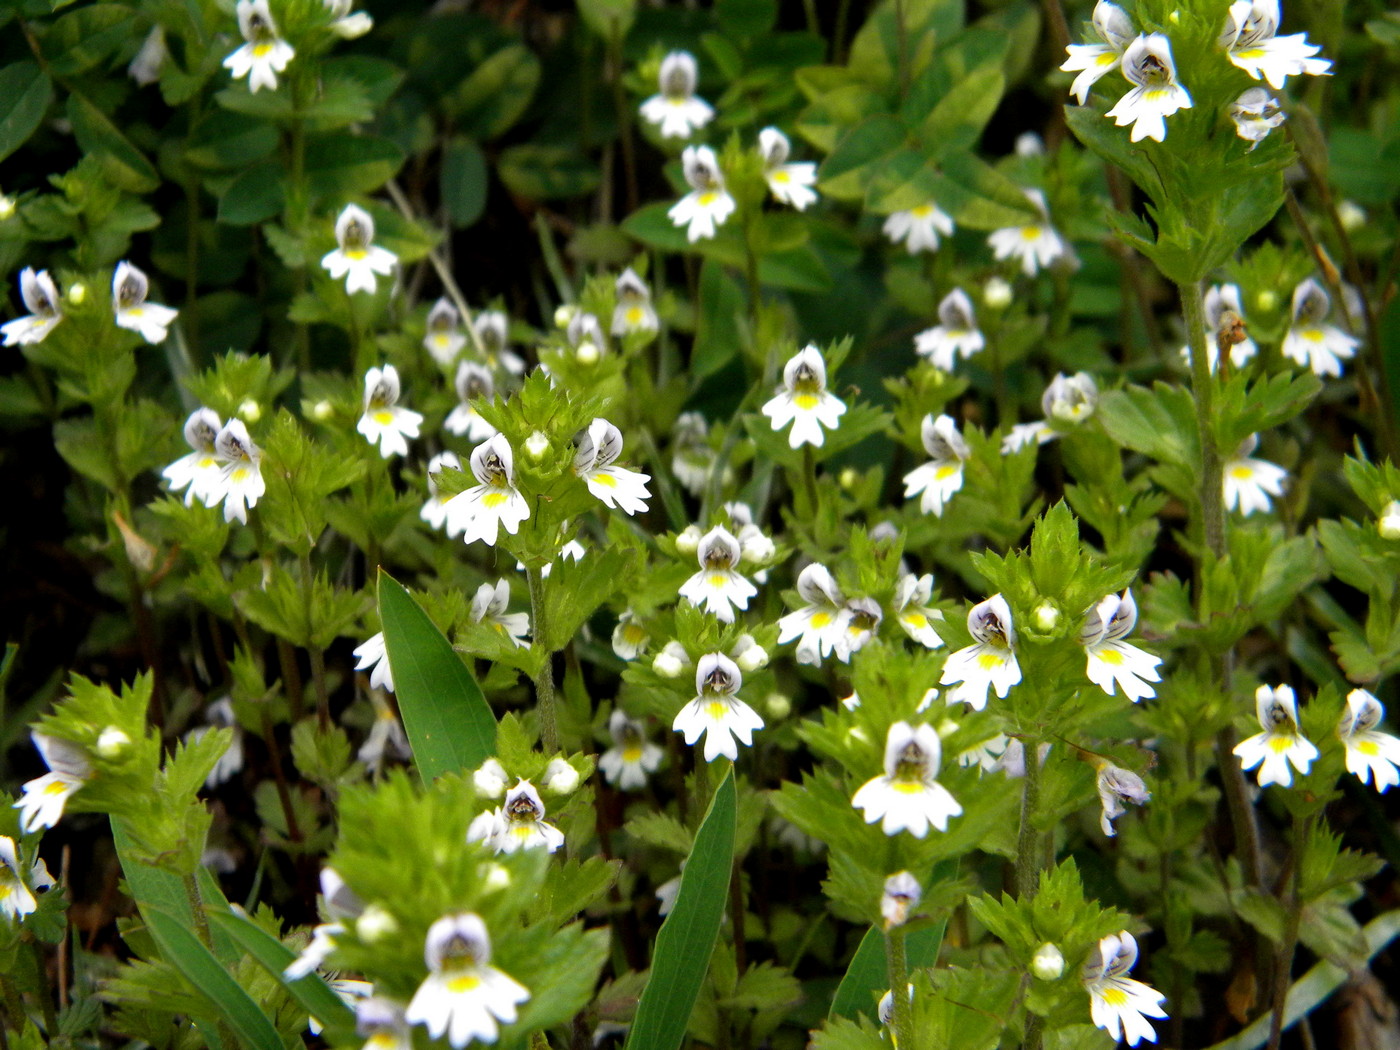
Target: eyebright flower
x: 45, y: 797
x: 340, y: 904
x: 629, y: 637
x: 902, y: 895
x: 40, y: 297
x: 242, y: 481
x: 1117, y: 1003
x: 989, y: 661
x: 264, y: 54
x: 938, y: 480
x: 482, y: 510
x: 1322, y: 347
x: 717, y: 586
x: 817, y: 625
x: 1116, y: 786
x: 347, y: 24
x: 381, y: 1021
x: 634, y: 312
x: 386, y: 738
x: 199, y: 472
x: 855, y: 626
x: 1280, y: 743
x: 1092, y: 61
x: 473, y: 381
x: 676, y: 110
x: 912, y: 595
x: 708, y: 204
x: 1250, y: 482
x: 1112, y: 660
x: 804, y: 400
x: 717, y: 713
x: 1250, y: 40
x: 373, y: 656
x: 489, y: 606
x: 919, y: 227
x: 129, y: 288
x: 463, y: 997
x: 17, y: 888
x: 908, y: 796
x: 1225, y: 323
x: 1256, y: 113
x: 1148, y: 66
x: 492, y: 330
x: 955, y: 334
x: 384, y: 422
x: 219, y: 715
x: 434, y: 511
x: 789, y: 183
x: 1034, y: 244
x: 444, y: 338
x: 598, y: 449
x: 517, y: 824
x: 586, y: 337
x: 755, y: 546
x: 632, y: 757
x: 357, y: 258
x: 1369, y: 751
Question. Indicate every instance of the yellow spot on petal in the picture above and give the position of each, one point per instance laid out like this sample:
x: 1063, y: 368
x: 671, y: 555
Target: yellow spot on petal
x: 466, y: 983
x: 261, y: 50
x: 806, y: 402
x: 907, y: 787
x: 1030, y: 233
x: 240, y: 474
x: 1114, y: 996
x: 923, y: 211
x: 634, y: 315
x: 1242, y: 473
x: 781, y: 175
x: 494, y: 499
x: 1280, y: 744
x: 606, y: 480
x: 989, y: 661
x: 1111, y: 656
x: 631, y: 754
x: 718, y: 579
x: 1312, y: 335
x: 821, y: 619
x: 383, y: 418
x: 356, y: 254
x: 717, y: 709
x: 56, y: 787
x: 706, y: 199
x: 1106, y: 59
x: 1368, y: 747
x: 915, y: 620
x: 946, y: 471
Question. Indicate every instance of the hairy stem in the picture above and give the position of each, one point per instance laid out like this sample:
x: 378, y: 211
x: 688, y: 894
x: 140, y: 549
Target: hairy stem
x: 1302, y: 828
x: 898, y: 967
x: 1028, y: 859
x: 544, y: 677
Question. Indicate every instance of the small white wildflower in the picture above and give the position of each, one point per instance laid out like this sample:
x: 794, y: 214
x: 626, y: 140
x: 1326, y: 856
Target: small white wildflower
x: 676, y: 109
x: 264, y: 54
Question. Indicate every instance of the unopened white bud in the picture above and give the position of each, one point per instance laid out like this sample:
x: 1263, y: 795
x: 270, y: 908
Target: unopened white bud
x: 688, y: 541
x: 778, y: 706
x: 490, y: 779
x: 1046, y: 617
x: 1048, y: 963
x: 560, y: 777
x: 671, y: 661
x: 751, y: 656
x: 497, y: 877
x: 1352, y: 217
x: 902, y: 895
x: 564, y: 314
x: 375, y: 924
x: 249, y: 411
x: 7, y: 207
x: 848, y: 478
x: 1266, y: 300
x: 111, y: 743
x: 996, y: 293
x: 77, y: 292
x: 1389, y: 524
x: 1174, y: 18
x: 536, y: 445
x: 322, y: 411
x: 587, y: 353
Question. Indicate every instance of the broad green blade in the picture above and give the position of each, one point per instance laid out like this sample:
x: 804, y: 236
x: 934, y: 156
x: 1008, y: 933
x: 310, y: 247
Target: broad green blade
x: 182, y: 949
x: 449, y: 723
x: 311, y: 991
x: 681, y: 955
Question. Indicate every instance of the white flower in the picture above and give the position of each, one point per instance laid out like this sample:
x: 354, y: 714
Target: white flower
x: 908, y: 796
x: 939, y: 479
x: 1322, y: 347
x: 717, y: 586
x: 955, y: 334
x: 560, y: 776
x: 491, y: 779
x: 346, y: 24
x: 1092, y: 61
x: 633, y: 312
x: 129, y: 288
x: 804, y: 400
x: 626, y: 764
x: 1111, y: 660
x: 708, y: 204
x: 676, y: 110
x: 1070, y: 399
x: 997, y: 293
x: 241, y: 478
x: 989, y: 661
x: 1280, y: 743
x: 492, y: 330
x: 912, y: 595
x: 671, y: 661
x: 1388, y: 524
x: 444, y: 337
x: 585, y: 335
x: 1255, y: 113
x: 373, y: 656
x: 1369, y: 751
x: 264, y: 54
x: 919, y: 227
x: 1223, y: 312
x: 1116, y: 786
x: 1117, y: 1003
x: 45, y: 797
x: 384, y: 422
x: 629, y: 637
x: 1039, y: 432
x: 855, y: 626
x: 667, y: 893
x: 150, y: 57
x: 717, y: 713
x: 1035, y: 244
x: 748, y: 654
x: 199, y: 472
x: 381, y: 1021
x: 789, y: 183
x: 463, y: 997
x: 220, y: 715
x: 1250, y: 41
x: 518, y: 824
x: 1148, y: 65
x: 489, y: 606
x: 386, y: 736
x: 17, y: 887
x: 902, y: 895
x: 817, y: 625
x: 480, y: 511
x: 598, y: 448
x: 357, y: 258
x: 988, y: 755
x: 434, y: 512
x: 1250, y: 482
x: 691, y: 456
x: 40, y: 297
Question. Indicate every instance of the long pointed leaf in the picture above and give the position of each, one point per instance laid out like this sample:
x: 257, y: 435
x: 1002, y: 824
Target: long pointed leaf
x: 686, y: 939
x: 449, y: 723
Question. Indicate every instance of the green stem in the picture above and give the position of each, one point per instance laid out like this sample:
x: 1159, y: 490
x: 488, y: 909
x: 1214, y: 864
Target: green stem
x: 1203, y: 391
x: 898, y: 967
x: 1302, y: 829
x: 1028, y: 860
x: 201, y: 920
x: 318, y: 658
x: 809, y: 478
x: 544, y: 677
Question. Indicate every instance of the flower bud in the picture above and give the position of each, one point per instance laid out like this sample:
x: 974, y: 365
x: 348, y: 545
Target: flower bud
x: 749, y: 655
x: 587, y: 353
x: 996, y: 293
x: 848, y: 478
x: 1048, y: 963
x: 564, y: 314
x: 1266, y: 300
x: 1351, y: 216
x: 375, y: 924
x: 497, y: 877
x: 1046, y: 617
x: 7, y: 207
x: 778, y: 706
x: 1389, y: 524
x: 688, y: 541
x: 490, y: 779
x: 536, y: 445
x: 111, y: 743
x: 902, y: 895
x: 560, y: 777
x: 322, y: 411
x: 77, y: 292
x: 249, y: 411
x: 671, y: 661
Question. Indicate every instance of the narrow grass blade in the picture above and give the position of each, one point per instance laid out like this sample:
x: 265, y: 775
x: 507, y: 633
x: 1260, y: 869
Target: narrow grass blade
x: 681, y: 955
x: 449, y: 723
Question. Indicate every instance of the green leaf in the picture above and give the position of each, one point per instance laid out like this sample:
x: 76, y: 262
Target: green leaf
x: 255, y: 196
x: 494, y: 96
x: 125, y: 166
x: 606, y: 17
x: 82, y: 38
x: 225, y: 140
x: 852, y: 164
x: 718, y: 335
x: 310, y: 991
x: 343, y: 165
x: 26, y: 93
x: 449, y: 724
x: 681, y: 955
x: 547, y: 172
x: 463, y: 181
